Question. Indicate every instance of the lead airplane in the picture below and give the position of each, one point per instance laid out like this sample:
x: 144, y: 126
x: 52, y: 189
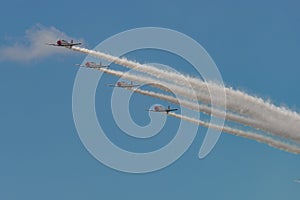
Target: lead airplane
x: 64, y: 43
x: 162, y: 109
x: 123, y: 84
x: 93, y: 65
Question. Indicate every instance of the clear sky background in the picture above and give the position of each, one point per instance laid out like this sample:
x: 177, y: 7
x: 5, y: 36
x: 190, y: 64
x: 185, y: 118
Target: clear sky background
x: 255, y: 45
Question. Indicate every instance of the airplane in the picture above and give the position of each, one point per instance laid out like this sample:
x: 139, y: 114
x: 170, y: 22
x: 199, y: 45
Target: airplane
x: 92, y: 65
x: 162, y: 109
x: 64, y: 43
x: 123, y: 84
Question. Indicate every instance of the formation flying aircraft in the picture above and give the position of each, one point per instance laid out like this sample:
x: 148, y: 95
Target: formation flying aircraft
x: 162, y: 109
x: 123, y: 84
x: 64, y: 43
x: 93, y: 65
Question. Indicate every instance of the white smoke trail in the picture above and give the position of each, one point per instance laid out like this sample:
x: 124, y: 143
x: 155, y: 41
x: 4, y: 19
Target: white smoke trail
x: 250, y: 135
x: 200, y: 107
x: 200, y: 86
x: 269, y: 117
x: 194, y: 106
x: 273, y: 117
x: 177, y: 90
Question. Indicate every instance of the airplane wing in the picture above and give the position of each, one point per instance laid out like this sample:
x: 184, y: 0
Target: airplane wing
x: 128, y: 86
x: 169, y: 110
x: 122, y: 86
x: 98, y: 67
x: 79, y: 43
x: 71, y: 44
x: 64, y: 45
x: 162, y: 111
x: 92, y: 67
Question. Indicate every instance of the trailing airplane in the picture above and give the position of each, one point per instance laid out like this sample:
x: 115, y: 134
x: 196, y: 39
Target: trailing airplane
x: 64, y: 43
x: 93, y: 65
x: 123, y: 84
x: 162, y: 109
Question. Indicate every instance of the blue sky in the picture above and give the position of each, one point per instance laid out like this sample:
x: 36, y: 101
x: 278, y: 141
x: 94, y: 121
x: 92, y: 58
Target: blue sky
x: 255, y: 46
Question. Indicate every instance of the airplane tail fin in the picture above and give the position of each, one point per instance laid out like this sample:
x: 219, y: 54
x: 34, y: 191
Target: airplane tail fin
x: 71, y: 41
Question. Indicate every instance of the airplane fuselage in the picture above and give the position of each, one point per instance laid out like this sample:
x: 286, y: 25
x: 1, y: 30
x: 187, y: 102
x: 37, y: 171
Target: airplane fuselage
x: 162, y: 109
x: 123, y: 84
x: 92, y: 64
x: 159, y: 109
x: 64, y: 43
